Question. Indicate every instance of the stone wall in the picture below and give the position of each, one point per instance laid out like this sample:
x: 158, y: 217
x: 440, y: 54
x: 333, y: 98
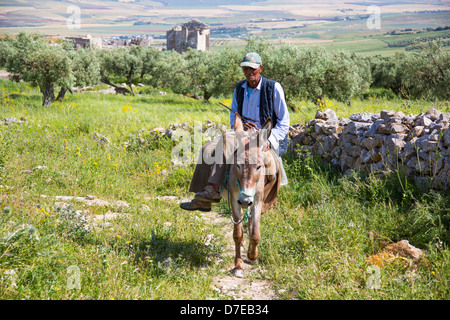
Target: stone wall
x: 380, y: 142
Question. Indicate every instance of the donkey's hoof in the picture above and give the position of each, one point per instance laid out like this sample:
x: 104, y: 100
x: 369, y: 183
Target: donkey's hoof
x: 238, y: 273
x: 252, y: 262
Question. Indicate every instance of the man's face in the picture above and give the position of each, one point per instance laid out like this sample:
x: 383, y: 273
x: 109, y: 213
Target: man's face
x: 252, y: 75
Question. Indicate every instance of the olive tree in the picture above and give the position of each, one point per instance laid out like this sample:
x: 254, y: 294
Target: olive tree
x: 197, y: 64
x: 315, y: 72
x: 346, y: 75
x: 224, y: 72
x: 85, y: 68
x: 170, y: 70
x: 213, y: 73
x: 49, y: 66
x: 421, y: 74
x: 149, y: 56
x: 121, y: 62
x: 30, y: 58
x: 426, y: 73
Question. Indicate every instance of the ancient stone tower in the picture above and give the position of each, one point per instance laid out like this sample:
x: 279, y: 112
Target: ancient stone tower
x: 193, y: 34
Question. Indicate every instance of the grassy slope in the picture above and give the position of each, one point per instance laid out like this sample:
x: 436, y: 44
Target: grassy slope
x: 315, y: 242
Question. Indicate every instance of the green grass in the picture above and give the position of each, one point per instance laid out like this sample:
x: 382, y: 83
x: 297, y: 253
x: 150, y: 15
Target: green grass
x: 326, y: 229
x: 314, y: 243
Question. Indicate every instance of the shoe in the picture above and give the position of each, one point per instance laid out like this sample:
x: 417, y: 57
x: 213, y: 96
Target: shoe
x: 209, y: 194
x: 195, y: 204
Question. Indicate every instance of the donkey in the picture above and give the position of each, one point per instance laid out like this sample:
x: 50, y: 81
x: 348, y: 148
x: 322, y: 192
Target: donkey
x: 246, y: 188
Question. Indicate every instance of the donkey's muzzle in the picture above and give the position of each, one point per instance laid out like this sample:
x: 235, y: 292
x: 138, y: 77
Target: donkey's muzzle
x: 245, y: 201
x: 245, y: 204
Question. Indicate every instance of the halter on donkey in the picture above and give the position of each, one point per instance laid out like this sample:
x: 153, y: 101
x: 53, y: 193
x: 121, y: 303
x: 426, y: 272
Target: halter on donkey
x: 245, y: 187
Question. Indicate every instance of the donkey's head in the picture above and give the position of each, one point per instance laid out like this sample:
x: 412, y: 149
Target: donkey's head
x: 249, y: 161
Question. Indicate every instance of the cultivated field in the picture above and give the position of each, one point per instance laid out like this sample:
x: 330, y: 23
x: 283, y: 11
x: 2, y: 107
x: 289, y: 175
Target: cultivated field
x: 343, y: 22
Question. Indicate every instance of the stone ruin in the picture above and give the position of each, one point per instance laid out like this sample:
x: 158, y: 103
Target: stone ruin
x: 380, y: 142
x: 194, y: 34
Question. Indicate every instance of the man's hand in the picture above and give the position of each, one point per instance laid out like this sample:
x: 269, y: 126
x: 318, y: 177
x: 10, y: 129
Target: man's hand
x: 249, y: 125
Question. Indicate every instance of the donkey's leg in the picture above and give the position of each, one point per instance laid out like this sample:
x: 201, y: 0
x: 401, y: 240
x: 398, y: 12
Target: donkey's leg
x: 238, y: 236
x: 254, y: 234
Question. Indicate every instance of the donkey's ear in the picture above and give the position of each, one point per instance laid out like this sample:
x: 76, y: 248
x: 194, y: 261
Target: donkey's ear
x: 229, y: 145
x: 268, y: 125
x: 264, y: 132
x: 238, y: 125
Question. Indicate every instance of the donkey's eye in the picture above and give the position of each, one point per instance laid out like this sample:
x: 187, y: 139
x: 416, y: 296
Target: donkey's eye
x: 258, y: 168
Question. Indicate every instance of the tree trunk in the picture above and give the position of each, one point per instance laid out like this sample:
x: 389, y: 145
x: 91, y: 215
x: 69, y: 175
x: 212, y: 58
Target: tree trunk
x: 49, y: 94
x: 106, y: 81
x: 206, y: 96
x: 402, y: 91
x: 130, y: 84
x: 61, y: 94
x: 121, y: 90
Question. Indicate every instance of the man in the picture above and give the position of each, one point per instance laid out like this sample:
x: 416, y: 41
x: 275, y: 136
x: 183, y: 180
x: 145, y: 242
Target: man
x: 256, y: 99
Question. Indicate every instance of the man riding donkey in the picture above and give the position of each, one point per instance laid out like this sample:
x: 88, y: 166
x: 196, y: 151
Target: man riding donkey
x: 255, y: 100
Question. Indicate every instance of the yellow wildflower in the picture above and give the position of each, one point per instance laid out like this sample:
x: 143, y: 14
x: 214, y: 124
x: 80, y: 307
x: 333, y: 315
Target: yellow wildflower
x: 126, y: 108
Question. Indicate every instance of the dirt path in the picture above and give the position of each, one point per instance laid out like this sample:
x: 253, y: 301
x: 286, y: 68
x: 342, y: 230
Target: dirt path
x: 252, y: 286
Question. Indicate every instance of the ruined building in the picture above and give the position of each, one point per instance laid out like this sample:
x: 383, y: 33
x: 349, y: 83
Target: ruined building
x: 193, y: 34
x: 86, y: 42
